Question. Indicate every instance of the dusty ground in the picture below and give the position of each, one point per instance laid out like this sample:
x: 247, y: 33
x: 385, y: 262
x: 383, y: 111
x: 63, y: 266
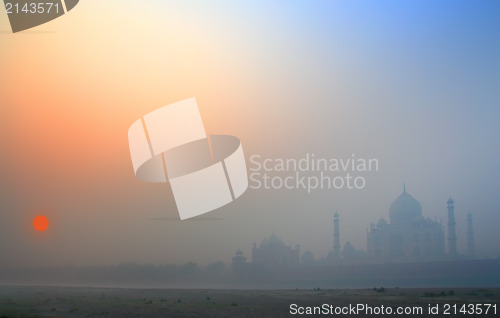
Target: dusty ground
x: 114, y: 302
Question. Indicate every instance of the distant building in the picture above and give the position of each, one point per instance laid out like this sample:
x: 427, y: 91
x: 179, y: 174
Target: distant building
x: 336, y: 238
x: 408, y: 236
x: 239, y: 259
x: 273, y: 254
x: 452, y: 234
x: 351, y: 254
x: 239, y: 262
x: 471, y: 249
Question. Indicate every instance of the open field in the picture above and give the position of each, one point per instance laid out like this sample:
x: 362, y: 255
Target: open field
x: 115, y: 302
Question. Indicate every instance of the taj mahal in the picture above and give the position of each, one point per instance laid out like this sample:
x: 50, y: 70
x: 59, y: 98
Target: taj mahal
x: 407, y: 237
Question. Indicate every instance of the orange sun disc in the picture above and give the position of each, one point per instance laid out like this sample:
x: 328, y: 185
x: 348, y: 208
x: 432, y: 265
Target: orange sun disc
x: 40, y: 223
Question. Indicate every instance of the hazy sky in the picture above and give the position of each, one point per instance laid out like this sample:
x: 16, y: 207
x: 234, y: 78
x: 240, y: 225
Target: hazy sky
x: 414, y: 84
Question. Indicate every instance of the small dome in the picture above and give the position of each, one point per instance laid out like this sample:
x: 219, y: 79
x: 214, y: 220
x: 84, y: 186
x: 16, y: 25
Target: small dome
x: 404, y: 209
x: 382, y: 222
x: 272, y: 241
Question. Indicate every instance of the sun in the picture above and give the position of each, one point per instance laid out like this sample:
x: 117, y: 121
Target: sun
x: 40, y: 223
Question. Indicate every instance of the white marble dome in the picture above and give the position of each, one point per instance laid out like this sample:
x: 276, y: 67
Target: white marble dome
x: 404, y: 209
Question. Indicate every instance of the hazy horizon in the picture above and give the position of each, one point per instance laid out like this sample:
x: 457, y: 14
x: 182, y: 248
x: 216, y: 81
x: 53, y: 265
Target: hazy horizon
x: 413, y: 84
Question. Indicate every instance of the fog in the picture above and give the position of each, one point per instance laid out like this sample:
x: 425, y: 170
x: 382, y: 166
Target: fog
x: 412, y: 85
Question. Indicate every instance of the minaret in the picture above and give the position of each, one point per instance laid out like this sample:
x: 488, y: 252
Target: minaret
x: 471, y: 250
x: 336, y: 237
x: 452, y: 235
